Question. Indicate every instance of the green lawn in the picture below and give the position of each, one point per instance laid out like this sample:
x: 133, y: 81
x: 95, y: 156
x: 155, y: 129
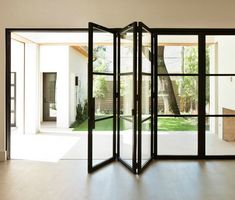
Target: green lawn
x: 164, y: 124
x: 177, y: 124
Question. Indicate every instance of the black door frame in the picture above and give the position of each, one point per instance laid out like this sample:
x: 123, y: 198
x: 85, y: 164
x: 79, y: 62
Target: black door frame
x: 91, y: 99
x: 133, y: 28
x: 141, y: 29
x: 201, y: 32
x: 48, y: 118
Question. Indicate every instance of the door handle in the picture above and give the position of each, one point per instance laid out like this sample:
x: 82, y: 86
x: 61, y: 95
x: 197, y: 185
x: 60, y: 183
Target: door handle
x: 93, y: 113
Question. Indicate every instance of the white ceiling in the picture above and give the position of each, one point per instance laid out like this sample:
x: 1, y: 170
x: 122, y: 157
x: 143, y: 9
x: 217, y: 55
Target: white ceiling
x: 55, y: 37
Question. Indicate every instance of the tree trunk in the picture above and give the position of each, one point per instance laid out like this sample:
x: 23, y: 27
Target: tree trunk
x: 172, y: 102
x: 167, y: 81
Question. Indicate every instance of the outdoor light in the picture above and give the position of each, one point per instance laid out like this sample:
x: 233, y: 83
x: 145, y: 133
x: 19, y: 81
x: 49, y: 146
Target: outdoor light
x: 76, y: 80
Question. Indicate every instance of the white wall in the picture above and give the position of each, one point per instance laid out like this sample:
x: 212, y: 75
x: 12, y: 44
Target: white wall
x: 77, y: 13
x: 77, y: 67
x: 31, y: 89
x: 226, y: 64
x: 222, y: 88
x: 55, y: 58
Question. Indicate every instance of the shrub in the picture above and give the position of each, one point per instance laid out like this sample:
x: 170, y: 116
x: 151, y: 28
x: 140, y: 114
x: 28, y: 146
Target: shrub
x: 81, y: 114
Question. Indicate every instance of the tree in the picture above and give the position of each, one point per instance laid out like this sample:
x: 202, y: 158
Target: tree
x: 189, y: 84
x: 100, y: 64
x: 170, y: 102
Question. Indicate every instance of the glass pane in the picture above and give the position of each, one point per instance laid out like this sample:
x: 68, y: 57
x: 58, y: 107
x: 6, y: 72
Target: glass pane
x: 126, y: 140
x: 103, y: 140
x: 146, y: 51
x: 219, y: 94
x: 126, y: 96
x: 12, y: 105
x: 220, y: 135
x: 177, y: 95
x: 12, y: 91
x: 220, y: 54
x: 146, y: 96
x: 146, y: 141
x: 12, y: 77
x: 103, y: 93
x: 52, y: 110
x: 102, y: 51
x: 12, y: 118
x: 177, y: 135
x: 126, y: 51
x: 177, y: 54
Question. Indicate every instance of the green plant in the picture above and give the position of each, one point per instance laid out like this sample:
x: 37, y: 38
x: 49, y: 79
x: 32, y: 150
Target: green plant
x: 85, y: 110
x: 79, y: 113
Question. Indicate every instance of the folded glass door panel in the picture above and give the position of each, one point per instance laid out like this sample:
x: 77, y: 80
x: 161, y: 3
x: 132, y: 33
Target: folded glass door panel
x: 145, y: 96
x: 127, y: 89
x: 101, y: 97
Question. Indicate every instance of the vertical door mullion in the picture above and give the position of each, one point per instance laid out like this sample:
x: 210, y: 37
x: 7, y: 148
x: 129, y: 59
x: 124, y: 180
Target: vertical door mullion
x: 152, y: 95
x: 90, y: 89
x: 8, y: 94
x: 114, y: 95
x: 201, y: 93
x: 155, y: 74
x: 118, y: 103
x: 139, y: 99
x: 134, y: 95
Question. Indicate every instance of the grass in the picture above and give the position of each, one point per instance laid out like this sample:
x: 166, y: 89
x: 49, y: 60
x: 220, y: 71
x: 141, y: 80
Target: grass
x: 164, y: 124
x: 177, y: 124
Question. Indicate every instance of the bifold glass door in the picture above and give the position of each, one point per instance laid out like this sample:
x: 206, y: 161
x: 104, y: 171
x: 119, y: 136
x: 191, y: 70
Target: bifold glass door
x: 127, y: 104
x: 120, y: 96
x: 101, y: 97
x: 145, y: 97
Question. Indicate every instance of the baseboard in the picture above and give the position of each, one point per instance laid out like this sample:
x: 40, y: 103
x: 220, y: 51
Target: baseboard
x: 3, y: 155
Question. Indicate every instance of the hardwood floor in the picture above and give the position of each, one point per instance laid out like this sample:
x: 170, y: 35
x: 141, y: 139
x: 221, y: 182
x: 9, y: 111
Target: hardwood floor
x: 163, y: 180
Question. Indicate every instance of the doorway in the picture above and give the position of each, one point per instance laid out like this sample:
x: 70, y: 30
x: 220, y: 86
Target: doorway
x: 166, y: 102
x: 48, y: 86
x: 49, y: 96
x: 135, y: 125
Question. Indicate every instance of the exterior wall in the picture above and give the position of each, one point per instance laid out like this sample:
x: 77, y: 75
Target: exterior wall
x: 31, y: 89
x: 221, y: 89
x: 226, y: 86
x: 77, y: 67
x: 67, y: 63
x: 55, y: 58
x: 70, y: 13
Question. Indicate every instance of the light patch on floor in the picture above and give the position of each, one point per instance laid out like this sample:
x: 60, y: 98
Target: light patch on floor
x: 41, y: 147
x: 53, y: 146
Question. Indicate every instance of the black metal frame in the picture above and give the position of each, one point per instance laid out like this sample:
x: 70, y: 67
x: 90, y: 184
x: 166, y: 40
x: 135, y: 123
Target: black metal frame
x: 202, y: 33
x: 91, y: 99
x: 132, y: 27
x: 141, y: 167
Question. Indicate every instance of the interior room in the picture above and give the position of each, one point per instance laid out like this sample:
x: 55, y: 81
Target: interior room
x: 117, y: 100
